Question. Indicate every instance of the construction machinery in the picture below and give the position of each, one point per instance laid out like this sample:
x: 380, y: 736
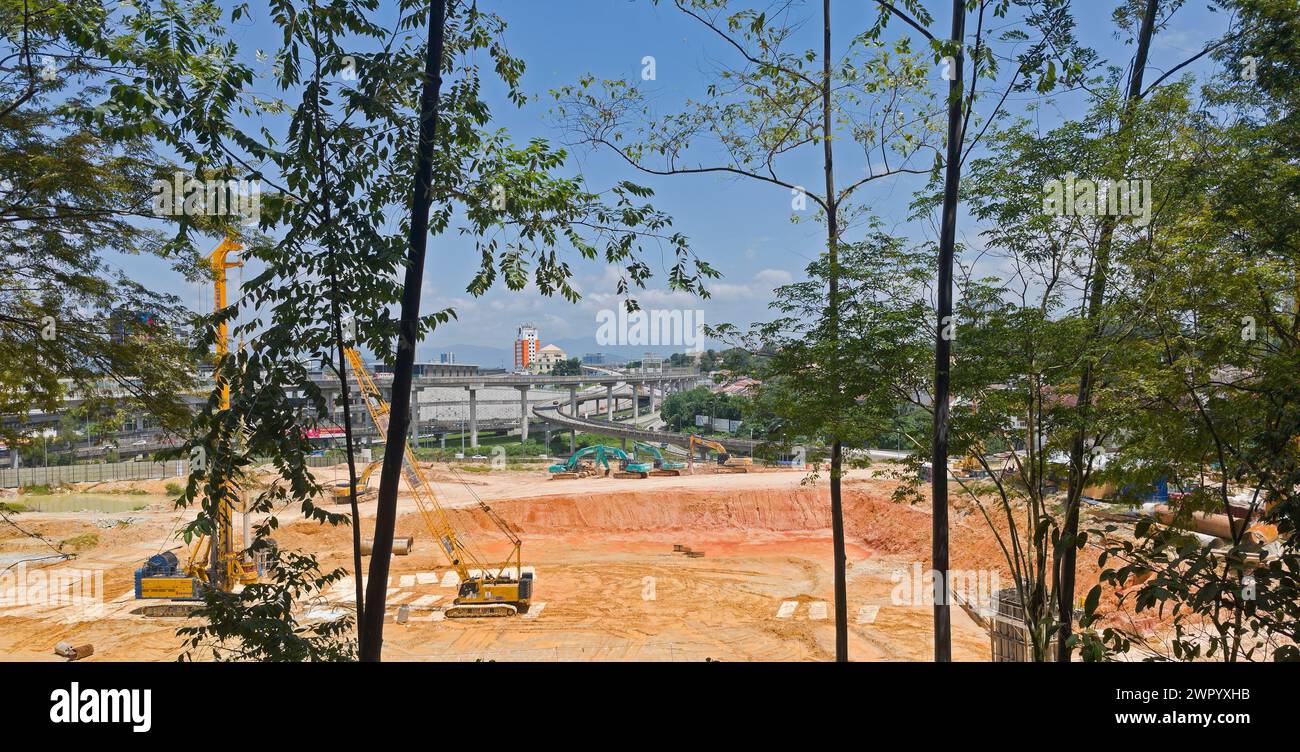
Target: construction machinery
x: 216, y: 564
x: 662, y: 466
x: 342, y: 490
x: 501, y: 590
x: 588, y: 461
x: 725, y: 462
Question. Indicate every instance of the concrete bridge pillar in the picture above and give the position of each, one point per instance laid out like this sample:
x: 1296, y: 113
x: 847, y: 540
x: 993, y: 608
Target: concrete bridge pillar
x: 573, y: 410
x: 523, y: 414
x: 609, y: 402
x: 473, y: 418
x: 636, y: 401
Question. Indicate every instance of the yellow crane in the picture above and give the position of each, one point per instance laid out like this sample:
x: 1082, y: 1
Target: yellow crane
x: 222, y: 565
x: 501, y: 590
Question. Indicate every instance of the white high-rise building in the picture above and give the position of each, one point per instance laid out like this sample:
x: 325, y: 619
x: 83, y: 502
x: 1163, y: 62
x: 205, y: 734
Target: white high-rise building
x: 526, y: 346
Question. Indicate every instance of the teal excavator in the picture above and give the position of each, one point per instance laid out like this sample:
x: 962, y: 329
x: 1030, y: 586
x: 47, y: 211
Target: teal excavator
x: 662, y: 466
x: 588, y: 461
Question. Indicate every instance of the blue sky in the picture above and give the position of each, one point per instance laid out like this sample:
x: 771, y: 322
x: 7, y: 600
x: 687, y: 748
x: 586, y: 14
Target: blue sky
x: 741, y: 227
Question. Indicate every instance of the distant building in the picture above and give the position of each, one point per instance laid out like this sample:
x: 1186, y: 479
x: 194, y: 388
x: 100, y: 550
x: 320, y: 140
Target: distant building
x: 447, y: 358
x: 595, y: 359
x: 741, y: 386
x: 547, y: 358
x: 652, y: 362
x: 526, y: 346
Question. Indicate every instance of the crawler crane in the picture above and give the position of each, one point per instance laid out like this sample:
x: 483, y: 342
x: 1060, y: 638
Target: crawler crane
x: 503, y: 590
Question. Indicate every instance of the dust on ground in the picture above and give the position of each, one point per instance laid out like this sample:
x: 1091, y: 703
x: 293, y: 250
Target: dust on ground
x: 609, y: 585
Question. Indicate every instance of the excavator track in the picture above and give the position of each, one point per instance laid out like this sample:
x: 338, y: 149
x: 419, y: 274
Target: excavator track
x: 629, y: 474
x: 480, y: 611
x: 168, y: 610
x: 665, y: 473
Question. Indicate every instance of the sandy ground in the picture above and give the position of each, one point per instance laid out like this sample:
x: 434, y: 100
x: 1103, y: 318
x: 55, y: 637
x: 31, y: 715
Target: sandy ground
x: 608, y: 583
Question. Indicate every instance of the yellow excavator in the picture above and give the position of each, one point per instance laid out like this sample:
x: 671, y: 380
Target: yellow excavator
x: 501, y: 590
x: 342, y: 490
x: 220, y: 564
x: 726, y: 463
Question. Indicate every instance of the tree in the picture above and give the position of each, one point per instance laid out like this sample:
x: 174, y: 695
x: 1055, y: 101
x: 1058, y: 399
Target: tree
x: 881, y: 350
x: 514, y: 191
x: 570, y: 367
x: 1096, y: 297
x: 74, y: 194
x: 775, y: 103
x: 1214, y: 412
x: 1037, y: 65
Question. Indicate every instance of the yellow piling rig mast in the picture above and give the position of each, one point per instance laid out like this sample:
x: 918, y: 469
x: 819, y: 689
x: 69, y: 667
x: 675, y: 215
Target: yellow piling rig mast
x: 501, y: 590
x: 224, y: 564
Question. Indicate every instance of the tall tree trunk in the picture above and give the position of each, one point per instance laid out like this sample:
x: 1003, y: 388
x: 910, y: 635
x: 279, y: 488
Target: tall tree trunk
x: 346, y: 396
x: 400, y: 405
x: 1064, y: 563
x: 340, y: 344
x: 943, y: 347
x: 833, y: 308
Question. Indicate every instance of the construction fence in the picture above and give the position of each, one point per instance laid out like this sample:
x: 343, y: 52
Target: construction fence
x: 98, y: 472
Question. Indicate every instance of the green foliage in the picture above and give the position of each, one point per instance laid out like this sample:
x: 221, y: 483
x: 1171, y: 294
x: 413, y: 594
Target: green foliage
x: 679, y: 410
x: 262, y: 622
x: 841, y: 372
x: 570, y: 367
x: 71, y: 195
x: 1208, y: 392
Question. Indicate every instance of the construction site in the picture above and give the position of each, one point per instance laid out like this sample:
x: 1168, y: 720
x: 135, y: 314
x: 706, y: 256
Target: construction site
x: 695, y: 567
x: 663, y: 546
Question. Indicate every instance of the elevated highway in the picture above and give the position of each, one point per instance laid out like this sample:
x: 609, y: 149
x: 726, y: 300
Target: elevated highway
x: 553, y: 415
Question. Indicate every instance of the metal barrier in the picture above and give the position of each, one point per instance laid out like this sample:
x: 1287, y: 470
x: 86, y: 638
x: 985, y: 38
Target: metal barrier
x: 91, y: 473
